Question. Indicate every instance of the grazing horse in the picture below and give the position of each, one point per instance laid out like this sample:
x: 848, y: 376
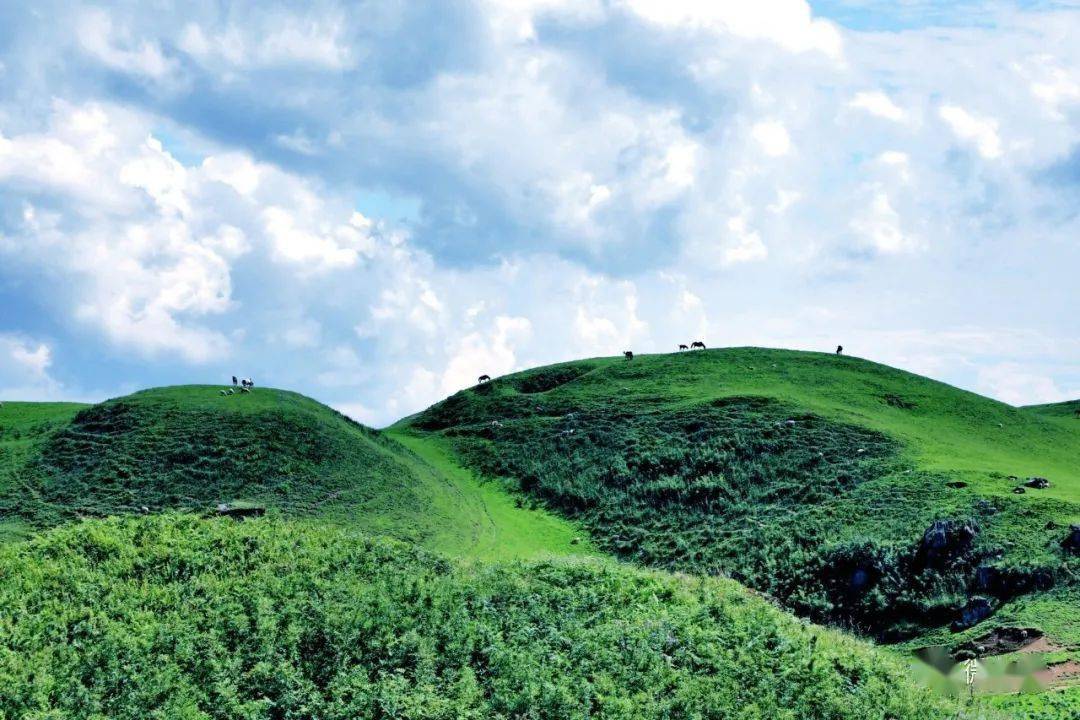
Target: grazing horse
x: 839, y: 349
x: 234, y: 380
x: 628, y: 355
x: 683, y: 347
x: 483, y: 379
x: 697, y: 344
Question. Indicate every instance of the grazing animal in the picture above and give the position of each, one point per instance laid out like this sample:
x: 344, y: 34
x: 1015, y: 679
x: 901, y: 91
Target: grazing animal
x: 245, y: 389
x: 683, y: 347
x: 839, y: 349
x: 234, y: 380
x: 697, y: 344
x: 628, y: 355
x: 483, y: 379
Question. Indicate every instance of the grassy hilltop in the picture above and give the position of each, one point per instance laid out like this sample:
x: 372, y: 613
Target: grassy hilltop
x: 812, y: 477
x: 189, y: 448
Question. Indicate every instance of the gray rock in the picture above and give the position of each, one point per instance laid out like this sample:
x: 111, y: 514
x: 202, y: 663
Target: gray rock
x: 974, y: 612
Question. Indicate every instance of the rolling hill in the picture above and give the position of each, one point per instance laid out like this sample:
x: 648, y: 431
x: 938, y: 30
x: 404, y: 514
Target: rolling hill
x: 851, y: 493
x: 189, y: 448
x: 854, y: 493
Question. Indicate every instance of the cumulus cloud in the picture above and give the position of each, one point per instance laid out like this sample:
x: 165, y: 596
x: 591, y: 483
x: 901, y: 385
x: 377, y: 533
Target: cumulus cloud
x: 376, y: 203
x: 773, y: 137
x: 982, y: 132
x: 788, y: 23
x: 275, y: 38
x: 878, y: 103
x: 1013, y: 383
x: 24, y: 369
x: 116, y: 48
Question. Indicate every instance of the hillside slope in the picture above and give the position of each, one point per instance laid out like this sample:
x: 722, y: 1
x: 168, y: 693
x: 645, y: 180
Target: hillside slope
x: 190, y: 448
x: 272, y: 619
x: 853, y: 492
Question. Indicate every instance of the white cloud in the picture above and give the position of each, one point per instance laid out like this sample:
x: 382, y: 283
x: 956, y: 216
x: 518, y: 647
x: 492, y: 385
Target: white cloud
x: 879, y: 225
x: 743, y: 244
x: 788, y: 23
x: 276, y: 39
x: 321, y: 246
x: 24, y: 369
x: 1057, y: 87
x: 612, y: 205
x: 878, y: 103
x: 116, y: 49
x: 491, y: 353
x: 1015, y: 384
x: 772, y: 136
x: 982, y: 132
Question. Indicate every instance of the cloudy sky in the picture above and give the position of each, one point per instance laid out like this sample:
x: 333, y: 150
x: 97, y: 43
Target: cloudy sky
x: 375, y: 202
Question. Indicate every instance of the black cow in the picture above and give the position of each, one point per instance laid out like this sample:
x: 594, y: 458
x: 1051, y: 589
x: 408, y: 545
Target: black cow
x: 683, y: 347
x: 697, y: 344
x: 483, y: 379
x: 839, y: 349
x: 234, y: 380
x: 628, y: 355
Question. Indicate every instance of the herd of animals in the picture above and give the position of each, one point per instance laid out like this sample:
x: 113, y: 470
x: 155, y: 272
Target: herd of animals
x: 629, y: 355
x: 244, y: 385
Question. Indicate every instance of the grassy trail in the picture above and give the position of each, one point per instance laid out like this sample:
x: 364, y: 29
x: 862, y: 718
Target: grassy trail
x: 498, y: 527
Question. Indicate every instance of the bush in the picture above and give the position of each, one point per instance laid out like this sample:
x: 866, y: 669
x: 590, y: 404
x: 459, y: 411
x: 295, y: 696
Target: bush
x: 176, y: 617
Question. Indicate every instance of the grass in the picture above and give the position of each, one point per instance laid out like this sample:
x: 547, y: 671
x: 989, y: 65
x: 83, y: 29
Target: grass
x: 173, y: 616
x: 189, y: 448
x: 686, y: 461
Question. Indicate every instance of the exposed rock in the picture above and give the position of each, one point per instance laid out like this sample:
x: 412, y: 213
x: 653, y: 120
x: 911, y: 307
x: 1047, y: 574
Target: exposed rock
x: 974, y: 612
x: 1039, y: 483
x: 946, y: 540
x: 1000, y: 641
x: 1072, y: 540
x: 1009, y: 582
x: 987, y: 578
x: 240, y: 512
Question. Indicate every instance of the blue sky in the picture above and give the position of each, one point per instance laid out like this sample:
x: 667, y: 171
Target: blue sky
x: 375, y: 202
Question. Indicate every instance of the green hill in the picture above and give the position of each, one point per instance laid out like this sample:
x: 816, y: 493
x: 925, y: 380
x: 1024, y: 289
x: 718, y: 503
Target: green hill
x: 176, y: 617
x: 853, y: 492
x: 190, y: 448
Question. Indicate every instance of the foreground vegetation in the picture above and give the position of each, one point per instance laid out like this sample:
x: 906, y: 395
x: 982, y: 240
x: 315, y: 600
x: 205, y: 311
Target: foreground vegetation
x: 176, y: 617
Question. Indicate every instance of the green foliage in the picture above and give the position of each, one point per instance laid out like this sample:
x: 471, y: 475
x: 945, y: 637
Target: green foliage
x: 190, y: 448
x: 808, y: 476
x: 176, y: 617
